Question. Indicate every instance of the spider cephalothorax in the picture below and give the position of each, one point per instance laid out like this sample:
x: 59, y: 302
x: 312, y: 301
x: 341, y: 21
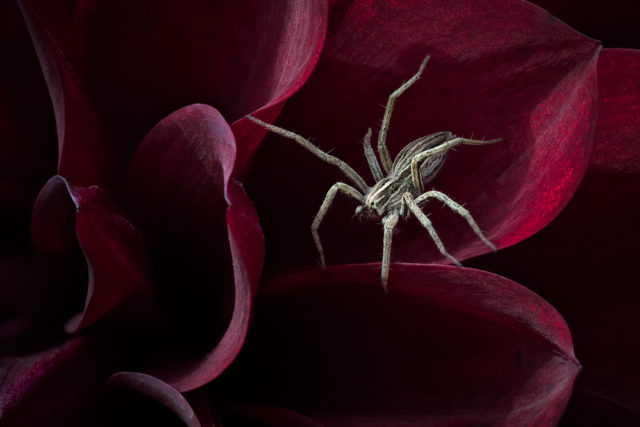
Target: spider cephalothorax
x: 399, y: 186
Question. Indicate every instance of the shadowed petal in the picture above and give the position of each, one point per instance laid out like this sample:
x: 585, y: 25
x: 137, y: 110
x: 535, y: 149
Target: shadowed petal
x: 206, y: 242
x: 445, y: 346
x: 585, y: 261
x: 159, y: 391
x: 142, y: 60
x: 86, y: 154
x: 27, y: 132
x: 65, y: 216
x: 520, y: 75
x: 253, y: 414
x: 55, y: 387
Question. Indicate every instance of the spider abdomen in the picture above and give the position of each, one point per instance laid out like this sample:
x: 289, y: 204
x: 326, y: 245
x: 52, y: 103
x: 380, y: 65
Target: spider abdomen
x: 431, y: 165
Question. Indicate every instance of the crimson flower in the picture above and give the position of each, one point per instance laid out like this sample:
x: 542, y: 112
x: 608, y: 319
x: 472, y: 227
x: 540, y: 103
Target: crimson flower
x: 150, y: 102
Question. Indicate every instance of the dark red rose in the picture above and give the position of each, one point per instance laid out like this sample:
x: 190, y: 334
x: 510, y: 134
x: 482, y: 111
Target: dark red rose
x: 144, y: 198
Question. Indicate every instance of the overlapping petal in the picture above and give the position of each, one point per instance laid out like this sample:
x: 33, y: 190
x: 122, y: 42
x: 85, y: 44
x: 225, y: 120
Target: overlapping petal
x: 584, y: 262
x: 66, y: 217
x: 521, y: 75
x: 159, y: 391
x: 445, y: 346
x: 32, y: 385
x: 27, y: 131
x: 87, y: 155
x: 206, y: 242
x: 137, y: 63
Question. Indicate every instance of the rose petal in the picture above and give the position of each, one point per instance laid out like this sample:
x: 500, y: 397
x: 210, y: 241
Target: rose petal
x: 86, y: 153
x: 139, y: 62
x: 445, y: 346
x: 206, y: 242
x: 113, y: 248
x: 27, y: 144
x: 54, y: 387
x: 518, y: 74
x: 618, y: 132
x: 159, y: 391
x: 584, y: 262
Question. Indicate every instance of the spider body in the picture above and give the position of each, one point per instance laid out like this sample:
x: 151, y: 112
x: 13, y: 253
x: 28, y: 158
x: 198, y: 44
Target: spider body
x: 399, y: 184
x: 387, y: 193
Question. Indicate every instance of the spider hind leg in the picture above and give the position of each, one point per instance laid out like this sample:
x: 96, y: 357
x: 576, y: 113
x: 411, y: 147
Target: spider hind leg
x: 457, y: 208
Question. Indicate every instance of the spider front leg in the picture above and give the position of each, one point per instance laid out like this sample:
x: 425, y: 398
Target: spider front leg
x: 459, y: 209
x: 426, y: 223
x: 385, y: 158
x: 328, y: 199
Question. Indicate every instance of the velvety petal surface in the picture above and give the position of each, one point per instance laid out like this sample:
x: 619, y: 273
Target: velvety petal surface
x: 584, y: 262
x: 445, y: 346
x: 27, y: 130
x: 206, y: 243
x: 66, y: 216
x: 56, y: 387
x: 86, y: 153
x: 519, y: 74
x: 161, y: 392
x: 140, y: 61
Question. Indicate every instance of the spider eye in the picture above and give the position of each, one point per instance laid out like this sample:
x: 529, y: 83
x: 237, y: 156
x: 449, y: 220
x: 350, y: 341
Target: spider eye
x: 359, y: 210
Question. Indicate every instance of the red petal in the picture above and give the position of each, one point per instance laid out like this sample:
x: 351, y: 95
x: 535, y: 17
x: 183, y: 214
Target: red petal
x: 143, y: 60
x: 86, y: 153
x: 54, y: 388
x: 517, y: 74
x: 112, y: 246
x: 159, y: 391
x: 206, y: 242
x: 585, y: 261
x: 617, y: 148
x: 27, y: 133
x: 446, y: 346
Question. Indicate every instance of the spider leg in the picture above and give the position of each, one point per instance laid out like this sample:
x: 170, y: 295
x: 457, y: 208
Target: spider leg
x: 371, y: 157
x: 440, y: 149
x: 385, y: 158
x: 426, y: 223
x: 389, y: 223
x: 328, y: 199
x: 459, y: 209
x: 340, y: 164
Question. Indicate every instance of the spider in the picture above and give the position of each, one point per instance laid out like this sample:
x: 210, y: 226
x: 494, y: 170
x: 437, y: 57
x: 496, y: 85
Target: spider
x: 400, y: 189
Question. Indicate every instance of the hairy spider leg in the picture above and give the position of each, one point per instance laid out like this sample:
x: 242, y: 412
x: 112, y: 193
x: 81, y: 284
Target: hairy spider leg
x: 385, y: 158
x: 456, y: 207
x: 442, y: 148
x: 328, y: 199
x: 371, y: 157
x: 389, y: 222
x: 426, y: 223
x: 342, y: 165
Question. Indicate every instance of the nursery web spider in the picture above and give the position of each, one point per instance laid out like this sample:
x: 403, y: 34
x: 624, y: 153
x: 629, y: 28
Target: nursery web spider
x: 400, y: 189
